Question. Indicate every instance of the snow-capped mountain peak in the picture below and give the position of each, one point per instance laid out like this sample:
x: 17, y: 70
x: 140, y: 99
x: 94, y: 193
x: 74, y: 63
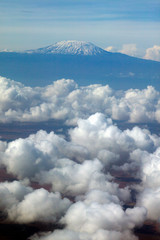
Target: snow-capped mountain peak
x: 70, y: 47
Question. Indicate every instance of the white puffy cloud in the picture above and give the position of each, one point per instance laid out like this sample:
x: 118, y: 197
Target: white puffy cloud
x: 17, y: 189
x: 75, y: 167
x: 149, y: 199
x: 41, y: 206
x: 64, y: 100
x: 148, y: 192
x: 104, y: 135
x: 10, y: 195
x: 102, y: 197
x: 129, y: 49
x: 72, y: 179
x: 40, y: 151
x: 22, y: 204
x: 97, y: 217
x: 84, y: 197
x: 7, y: 201
x: 89, y: 218
x: 153, y: 53
x: 96, y: 220
x: 149, y: 167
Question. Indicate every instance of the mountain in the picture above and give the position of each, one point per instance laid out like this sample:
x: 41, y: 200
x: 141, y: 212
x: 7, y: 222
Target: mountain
x: 70, y: 47
x: 82, y: 61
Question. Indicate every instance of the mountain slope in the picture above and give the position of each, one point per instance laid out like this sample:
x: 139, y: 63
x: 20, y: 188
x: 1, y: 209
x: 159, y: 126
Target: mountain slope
x: 93, y: 66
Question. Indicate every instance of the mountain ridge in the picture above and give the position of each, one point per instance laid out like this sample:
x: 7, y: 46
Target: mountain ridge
x: 85, y: 64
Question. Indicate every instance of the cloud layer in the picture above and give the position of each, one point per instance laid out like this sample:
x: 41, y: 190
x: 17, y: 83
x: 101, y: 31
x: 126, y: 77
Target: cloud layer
x: 76, y: 174
x: 82, y: 196
x: 64, y: 100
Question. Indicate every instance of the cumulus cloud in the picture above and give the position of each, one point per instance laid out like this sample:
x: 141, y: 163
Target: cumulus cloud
x: 40, y: 151
x: 148, y: 191
x: 129, y: 49
x: 10, y: 195
x: 97, y: 219
x: 22, y: 204
x: 64, y: 100
x: 83, y: 197
x: 56, y: 157
x: 150, y: 198
x: 153, y: 53
x: 41, y: 206
x: 149, y: 167
x: 110, y: 49
x: 89, y: 218
x: 107, y: 137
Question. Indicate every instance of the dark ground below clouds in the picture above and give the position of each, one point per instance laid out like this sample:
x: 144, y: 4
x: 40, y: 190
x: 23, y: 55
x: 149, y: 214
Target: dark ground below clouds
x: 14, y: 130
x: 16, y: 232
x: 23, y: 231
x: 149, y: 231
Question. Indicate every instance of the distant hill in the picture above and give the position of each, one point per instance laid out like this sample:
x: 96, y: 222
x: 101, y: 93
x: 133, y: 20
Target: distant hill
x: 82, y: 61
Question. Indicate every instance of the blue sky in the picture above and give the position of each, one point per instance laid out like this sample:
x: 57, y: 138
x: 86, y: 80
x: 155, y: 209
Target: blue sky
x: 26, y: 24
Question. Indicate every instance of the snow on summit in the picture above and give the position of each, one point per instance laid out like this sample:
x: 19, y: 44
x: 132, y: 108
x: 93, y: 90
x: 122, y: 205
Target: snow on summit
x: 70, y: 47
